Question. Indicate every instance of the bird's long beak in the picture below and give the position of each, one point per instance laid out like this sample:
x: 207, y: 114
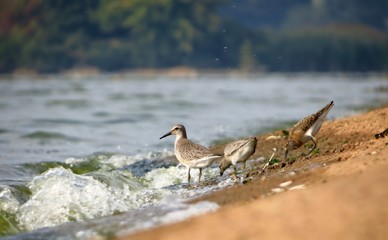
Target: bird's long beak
x: 221, y: 171
x: 285, y: 154
x: 165, y: 135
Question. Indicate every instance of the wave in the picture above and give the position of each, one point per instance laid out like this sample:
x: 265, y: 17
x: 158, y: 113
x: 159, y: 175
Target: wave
x: 2, y: 130
x: 172, y: 210
x: 82, y: 189
x: 45, y: 135
x: 59, y: 121
x: 69, y: 103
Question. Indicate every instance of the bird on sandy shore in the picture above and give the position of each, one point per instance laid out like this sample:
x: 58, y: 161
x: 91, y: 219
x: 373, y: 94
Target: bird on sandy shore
x: 306, y: 129
x: 190, y: 154
x: 237, y: 152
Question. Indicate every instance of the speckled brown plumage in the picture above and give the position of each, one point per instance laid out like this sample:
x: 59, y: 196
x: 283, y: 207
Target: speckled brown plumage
x: 190, y: 154
x: 306, y: 129
x: 237, y: 151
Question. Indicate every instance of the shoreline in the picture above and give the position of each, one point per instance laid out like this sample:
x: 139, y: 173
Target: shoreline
x: 339, y: 192
x: 173, y: 72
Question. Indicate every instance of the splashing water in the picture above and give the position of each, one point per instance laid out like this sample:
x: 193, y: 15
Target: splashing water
x: 59, y: 195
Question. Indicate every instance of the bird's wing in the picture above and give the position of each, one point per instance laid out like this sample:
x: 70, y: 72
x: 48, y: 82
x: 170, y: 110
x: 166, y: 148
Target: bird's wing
x: 193, y: 151
x: 234, y: 146
x: 312, y: 123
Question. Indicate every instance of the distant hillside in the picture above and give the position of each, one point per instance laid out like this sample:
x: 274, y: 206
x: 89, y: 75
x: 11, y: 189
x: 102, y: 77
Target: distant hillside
x: 299, y: 13
x: 252, y: 35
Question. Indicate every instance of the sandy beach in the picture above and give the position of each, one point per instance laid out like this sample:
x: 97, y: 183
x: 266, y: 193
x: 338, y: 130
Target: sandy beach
x: 339, y: 192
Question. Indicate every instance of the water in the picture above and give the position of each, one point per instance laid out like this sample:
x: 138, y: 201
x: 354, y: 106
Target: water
x: 88, y: 149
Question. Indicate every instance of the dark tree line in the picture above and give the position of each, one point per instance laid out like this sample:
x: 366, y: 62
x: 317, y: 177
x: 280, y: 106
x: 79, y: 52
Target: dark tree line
x: 273, y: 35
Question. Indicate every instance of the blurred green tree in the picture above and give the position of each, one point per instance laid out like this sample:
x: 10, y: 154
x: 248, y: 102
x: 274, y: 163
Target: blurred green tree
x: 159, y: 33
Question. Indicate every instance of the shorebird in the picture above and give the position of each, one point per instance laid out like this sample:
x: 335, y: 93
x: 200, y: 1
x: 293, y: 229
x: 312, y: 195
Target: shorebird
x: 306, y: 129
x: 236, y: 152
x: 190, y: 154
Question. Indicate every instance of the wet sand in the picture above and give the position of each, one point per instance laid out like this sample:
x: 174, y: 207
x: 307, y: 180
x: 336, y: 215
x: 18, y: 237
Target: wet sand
x: 339, y: 192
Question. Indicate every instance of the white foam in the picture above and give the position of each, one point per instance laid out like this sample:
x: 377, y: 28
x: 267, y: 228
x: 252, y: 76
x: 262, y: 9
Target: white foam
x: 73, y: 160
x: 59, y: 196
x: 164, y: 177
x: 119, y: 160
x: 227, y: 182
x: 182, y: 212
x: 191, y: 211
x: 8, y: 202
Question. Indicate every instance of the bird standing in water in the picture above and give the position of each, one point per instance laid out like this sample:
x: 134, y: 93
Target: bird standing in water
x: 236, y: 152
x: 190, y: 154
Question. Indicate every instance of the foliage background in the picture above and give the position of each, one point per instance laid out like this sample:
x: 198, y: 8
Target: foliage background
x: 267, y: 35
